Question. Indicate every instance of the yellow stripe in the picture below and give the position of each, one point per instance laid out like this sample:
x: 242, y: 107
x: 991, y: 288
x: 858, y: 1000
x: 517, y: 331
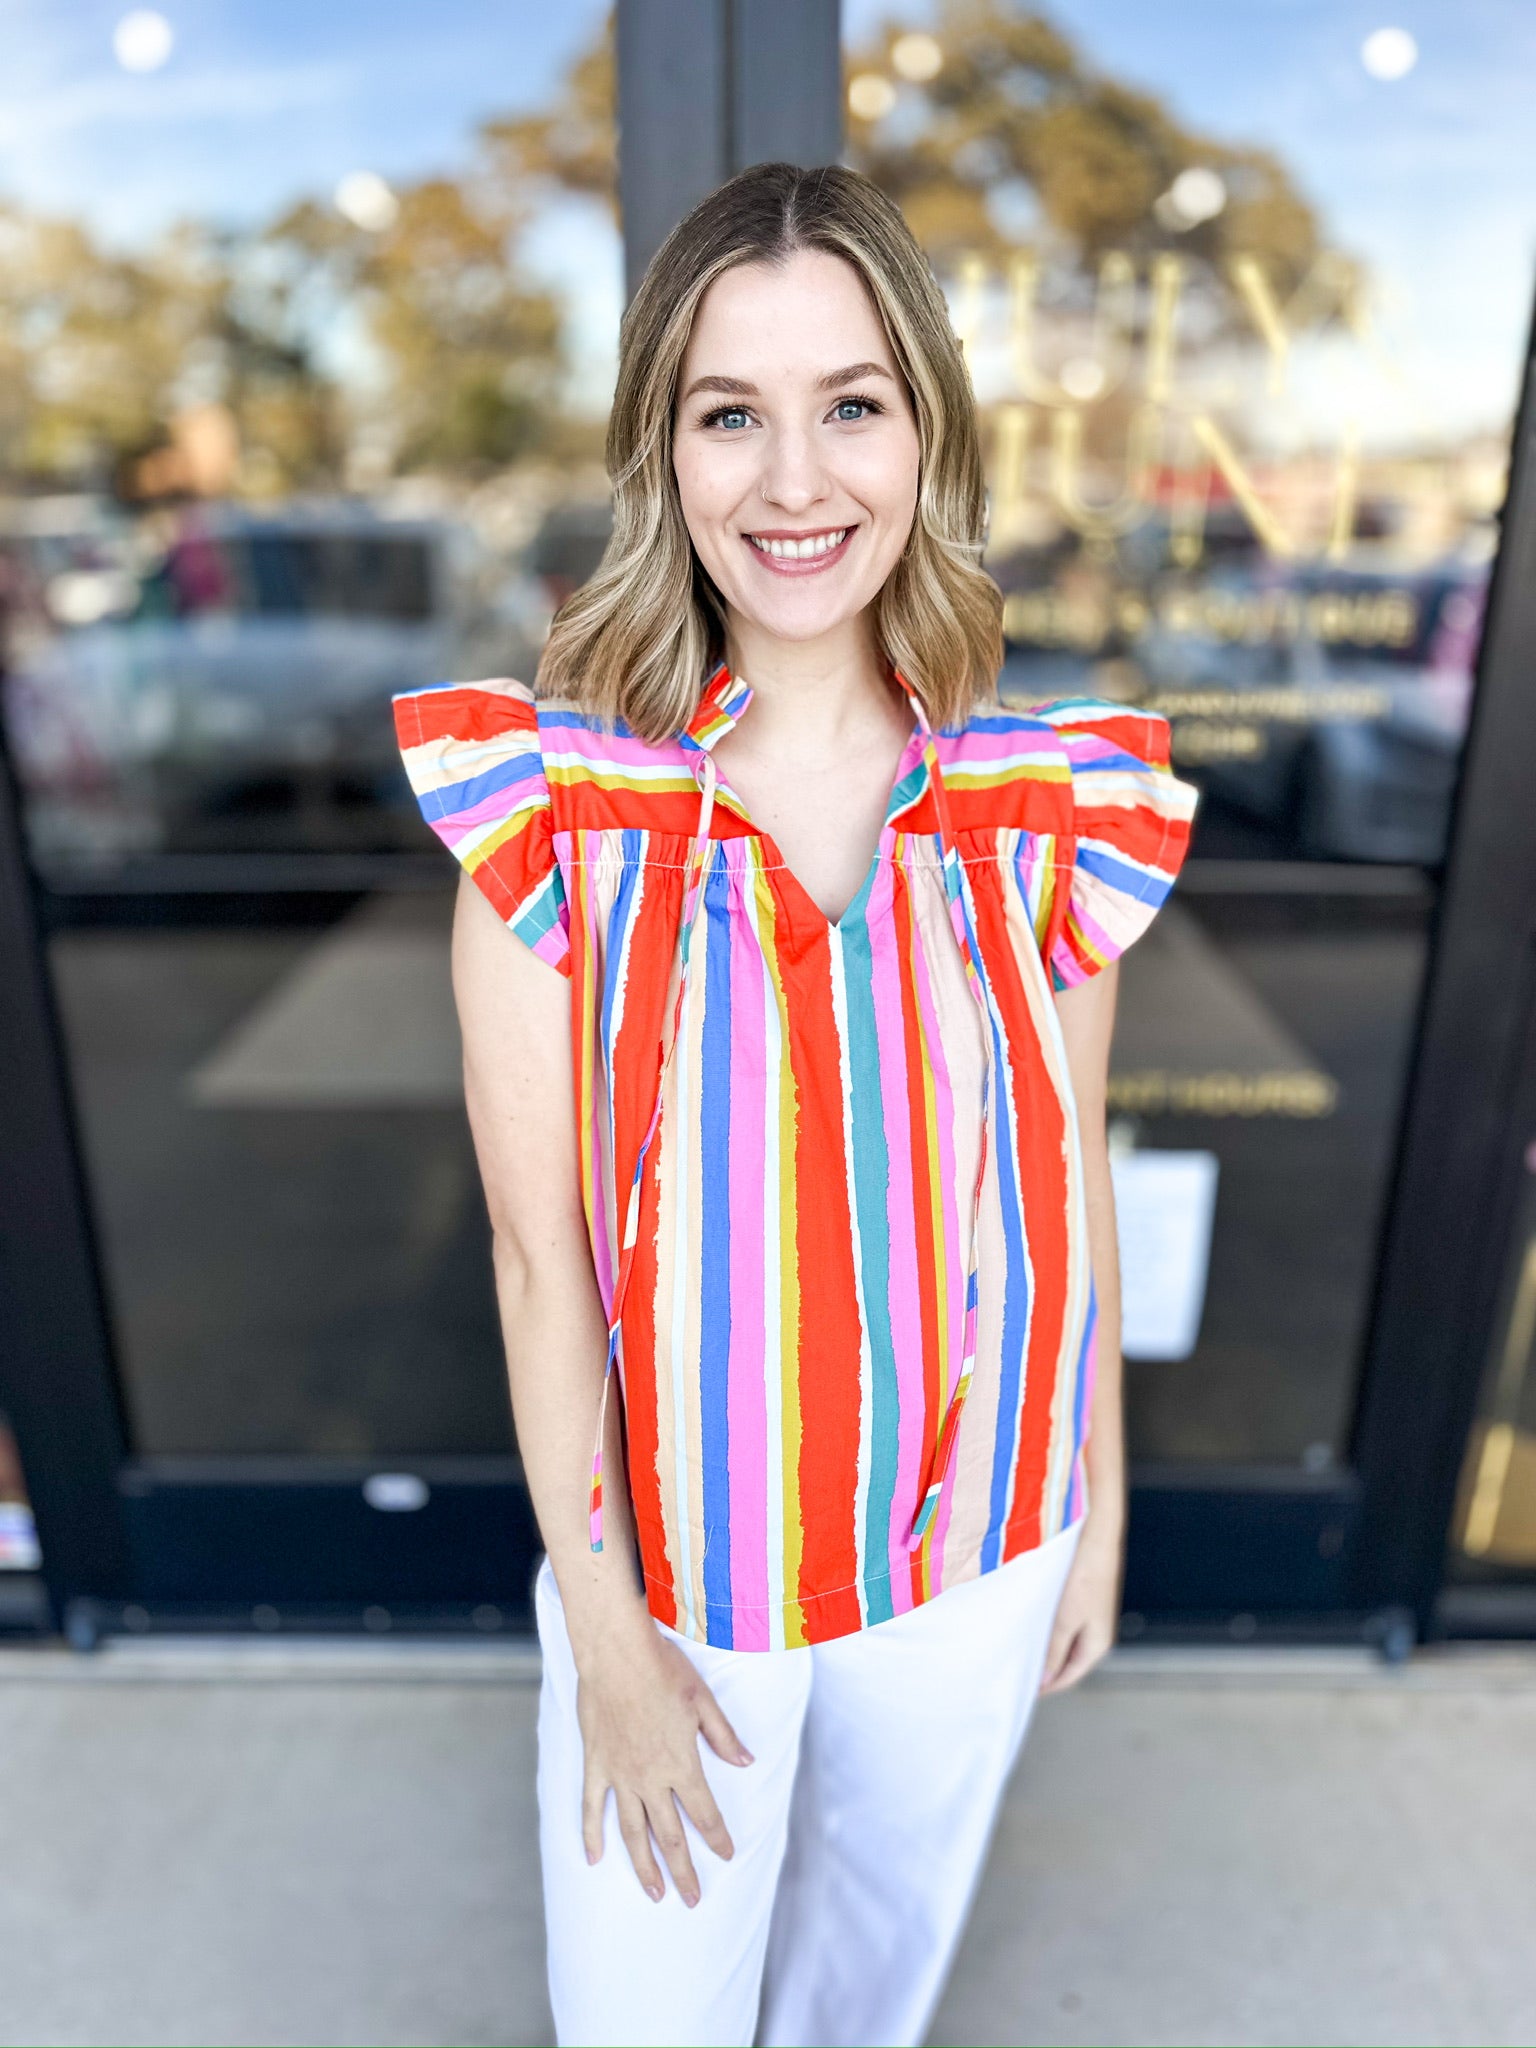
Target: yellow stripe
x: 586, y: 1067
x: 790, y: 1427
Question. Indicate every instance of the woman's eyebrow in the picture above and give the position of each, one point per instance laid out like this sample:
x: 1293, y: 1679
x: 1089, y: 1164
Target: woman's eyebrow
x: 854, y: 374
x: 732, y: 387
x: 738, y: 387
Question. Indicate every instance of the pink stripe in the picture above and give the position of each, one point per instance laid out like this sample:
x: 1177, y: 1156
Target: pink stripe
x: 905, y: 1301
x: 613, y: 752
x: 553, y: 947
x: 491, y: 810
x: 954, y: 1249
x: 746, y: 1399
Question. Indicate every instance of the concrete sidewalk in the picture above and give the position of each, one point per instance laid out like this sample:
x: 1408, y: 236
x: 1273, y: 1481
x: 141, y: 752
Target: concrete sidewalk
x: 334, y: 1843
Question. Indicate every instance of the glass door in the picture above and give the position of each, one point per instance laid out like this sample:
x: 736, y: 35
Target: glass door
x: 309, y: 336
x: 1245, y: 297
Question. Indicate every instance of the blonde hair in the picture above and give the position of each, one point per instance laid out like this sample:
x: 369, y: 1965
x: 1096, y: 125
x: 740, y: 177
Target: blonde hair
x: 636, y: 641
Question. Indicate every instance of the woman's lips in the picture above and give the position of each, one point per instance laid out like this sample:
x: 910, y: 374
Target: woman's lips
x: 797, y: 564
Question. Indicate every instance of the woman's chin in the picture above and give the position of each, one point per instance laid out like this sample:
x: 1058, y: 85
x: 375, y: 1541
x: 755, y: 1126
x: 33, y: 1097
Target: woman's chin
x: 796, y: 614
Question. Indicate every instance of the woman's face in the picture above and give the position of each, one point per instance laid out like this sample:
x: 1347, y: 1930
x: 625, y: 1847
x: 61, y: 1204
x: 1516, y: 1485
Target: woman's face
x: 795, y: 448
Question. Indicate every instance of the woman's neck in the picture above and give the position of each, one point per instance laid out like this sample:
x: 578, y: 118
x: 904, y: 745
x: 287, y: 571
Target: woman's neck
x: 824, y: 691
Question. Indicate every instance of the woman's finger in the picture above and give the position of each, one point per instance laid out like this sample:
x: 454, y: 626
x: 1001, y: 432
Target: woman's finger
x: 667, y: 1826
x: 1058, y: 1650
x: 1080, y: 1660
x: 1059, y: 1658
x: 698, y: 1802
x: 718, y: 1732
x: 594, y: 1797
x: 637, y: 1840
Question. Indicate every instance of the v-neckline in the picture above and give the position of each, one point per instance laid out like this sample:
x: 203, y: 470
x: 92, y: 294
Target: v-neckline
x: 911, y: 754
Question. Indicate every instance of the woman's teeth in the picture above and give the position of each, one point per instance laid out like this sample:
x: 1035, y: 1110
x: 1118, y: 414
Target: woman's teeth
x: 801, y: 550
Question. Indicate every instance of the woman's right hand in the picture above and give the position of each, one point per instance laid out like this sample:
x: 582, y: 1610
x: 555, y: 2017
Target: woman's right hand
x: 642, y: 1708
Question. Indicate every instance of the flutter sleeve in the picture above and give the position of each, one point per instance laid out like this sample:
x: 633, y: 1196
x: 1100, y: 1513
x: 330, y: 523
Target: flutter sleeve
x: 1131, y: 825
x: 472, y: 757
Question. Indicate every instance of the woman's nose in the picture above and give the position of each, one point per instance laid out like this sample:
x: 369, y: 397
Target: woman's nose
x: 793, y: 477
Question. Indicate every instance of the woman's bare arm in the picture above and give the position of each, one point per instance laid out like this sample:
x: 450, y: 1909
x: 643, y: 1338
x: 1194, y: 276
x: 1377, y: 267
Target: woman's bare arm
x: 642, y: 1704
x: 1090, y: 1604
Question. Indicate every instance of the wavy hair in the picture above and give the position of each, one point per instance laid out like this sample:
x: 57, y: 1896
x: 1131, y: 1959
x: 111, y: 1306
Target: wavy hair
x: 636, y: 641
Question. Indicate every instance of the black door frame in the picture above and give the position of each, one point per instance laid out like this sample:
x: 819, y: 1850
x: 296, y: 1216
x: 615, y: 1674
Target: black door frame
x: 131, y: 1543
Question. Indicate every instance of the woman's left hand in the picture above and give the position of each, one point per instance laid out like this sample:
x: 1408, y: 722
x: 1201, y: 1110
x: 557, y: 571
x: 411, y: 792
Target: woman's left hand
x: 1089, y: 1610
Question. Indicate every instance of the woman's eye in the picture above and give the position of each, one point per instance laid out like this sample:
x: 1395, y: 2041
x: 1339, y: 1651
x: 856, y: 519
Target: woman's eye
x: 732, y: 416
x: 852, y: 410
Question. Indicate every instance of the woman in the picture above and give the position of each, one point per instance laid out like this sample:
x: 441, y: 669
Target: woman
x: 834, y: 1205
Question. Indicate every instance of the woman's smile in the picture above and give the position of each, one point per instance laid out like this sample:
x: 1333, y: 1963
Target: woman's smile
x: 783, y: 552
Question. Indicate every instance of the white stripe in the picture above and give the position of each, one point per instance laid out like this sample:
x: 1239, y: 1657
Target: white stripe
x: 602, y: 770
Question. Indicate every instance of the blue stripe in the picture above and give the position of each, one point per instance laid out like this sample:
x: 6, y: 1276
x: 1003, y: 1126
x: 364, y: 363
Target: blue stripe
x: 1080, y: 1402
x: 714, y: 1099
x: 453, y: 797
x: 1131, y: 881
x: 1016, y: 1307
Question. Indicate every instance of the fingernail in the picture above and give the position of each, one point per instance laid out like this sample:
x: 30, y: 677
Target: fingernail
x: 591, y: 1855
x: 653, y: 1891
x: 690, y: 1898
x: 745, y: 1756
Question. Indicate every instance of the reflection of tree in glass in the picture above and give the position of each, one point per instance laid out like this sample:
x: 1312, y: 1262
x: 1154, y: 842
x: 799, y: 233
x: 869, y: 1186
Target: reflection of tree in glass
x: 469, y: 354
x: 574, y: 141
x: 419, y: 340
x: 1017, y: 134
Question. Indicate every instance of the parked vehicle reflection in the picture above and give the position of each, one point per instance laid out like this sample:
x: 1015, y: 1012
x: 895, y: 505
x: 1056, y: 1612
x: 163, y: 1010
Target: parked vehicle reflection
x: 239, y: 700
x: 1343, y: 751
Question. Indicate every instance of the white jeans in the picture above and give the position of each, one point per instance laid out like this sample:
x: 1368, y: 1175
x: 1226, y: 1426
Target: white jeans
x: 859, y: 1831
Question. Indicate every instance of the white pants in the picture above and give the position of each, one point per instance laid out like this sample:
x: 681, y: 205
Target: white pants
x: 859, y: 1831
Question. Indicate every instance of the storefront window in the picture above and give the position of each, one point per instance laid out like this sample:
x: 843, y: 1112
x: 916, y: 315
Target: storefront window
x: 1244, y: 297
x: 307, y: 338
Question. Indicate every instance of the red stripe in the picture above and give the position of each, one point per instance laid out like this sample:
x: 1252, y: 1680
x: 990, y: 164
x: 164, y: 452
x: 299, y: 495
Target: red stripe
x: 829, y: 1335
x: 472, y: 713
x: 637, y: 1055
x: 1146, y: 734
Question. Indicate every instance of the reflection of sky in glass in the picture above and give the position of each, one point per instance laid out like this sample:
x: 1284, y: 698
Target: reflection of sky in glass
x: 259, y: 106
x: 1431, y: 178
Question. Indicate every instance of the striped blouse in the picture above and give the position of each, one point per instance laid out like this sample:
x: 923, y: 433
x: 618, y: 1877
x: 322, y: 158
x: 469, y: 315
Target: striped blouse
x: 831, y: 1171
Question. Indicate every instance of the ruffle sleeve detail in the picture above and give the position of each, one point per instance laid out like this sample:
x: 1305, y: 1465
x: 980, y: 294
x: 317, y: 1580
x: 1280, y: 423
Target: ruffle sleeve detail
x: 472, y: 756
x: 1131, y: 825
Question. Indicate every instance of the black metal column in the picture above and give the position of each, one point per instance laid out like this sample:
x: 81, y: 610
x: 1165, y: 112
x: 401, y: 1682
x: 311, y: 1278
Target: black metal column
x: 1458, y: 1165
x: 707, y: 87
x: 56, y: 1379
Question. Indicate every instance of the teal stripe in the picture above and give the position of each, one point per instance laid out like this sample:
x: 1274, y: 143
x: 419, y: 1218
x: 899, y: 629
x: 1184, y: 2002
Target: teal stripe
x: 871, y: 1183
x: 541, y: 911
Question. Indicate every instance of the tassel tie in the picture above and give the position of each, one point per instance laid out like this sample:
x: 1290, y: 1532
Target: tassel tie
x: 693, y: 897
